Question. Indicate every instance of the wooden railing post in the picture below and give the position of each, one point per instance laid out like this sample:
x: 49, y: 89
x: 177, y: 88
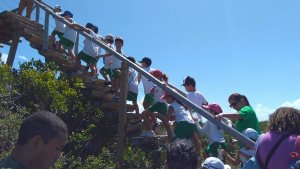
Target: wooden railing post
x: 13, y: 49
x: 46, y: 31
x: 122, y: 114
x: 37, y: 15
x: 76, y: 44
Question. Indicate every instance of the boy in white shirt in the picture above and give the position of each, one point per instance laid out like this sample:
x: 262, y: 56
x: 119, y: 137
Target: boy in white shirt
x: 214, y: 134
x: 90, y: 49
x: 68, y: 40
x: 106, y: 70
x: 59, y: 28
x: 148, y: 85
x: 133, y: 86
x: 194, y: 96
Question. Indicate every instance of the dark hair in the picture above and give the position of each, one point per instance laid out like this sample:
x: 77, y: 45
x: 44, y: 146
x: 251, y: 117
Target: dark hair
x: 43, y: 123
x: 96, y: 29
x: 118, y: 38
x: 181, y: 154
x: 131, y: 59
x: 189, y: 81
x: 285, y: 119
x: 89, y: 25
x: 238, y: 97
x: 165, y: 78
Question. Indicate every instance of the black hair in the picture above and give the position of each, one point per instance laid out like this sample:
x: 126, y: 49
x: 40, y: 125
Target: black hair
x: 238, y: 97
x: 181, y: 154
x: 189, y: 81
x: 43, y: 123
x: 96, y: 29
x: 131, y: 59
x: 89, y: 25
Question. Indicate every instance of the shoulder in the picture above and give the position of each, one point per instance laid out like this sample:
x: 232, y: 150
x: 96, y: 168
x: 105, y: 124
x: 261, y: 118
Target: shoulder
x: 248, y: 109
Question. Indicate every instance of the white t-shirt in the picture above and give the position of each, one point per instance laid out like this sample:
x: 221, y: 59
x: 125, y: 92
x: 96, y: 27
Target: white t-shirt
x: 248, y: 152
x: 59, y: 26
x: 116, y: 62
x: 181, y: 114
x: 148, y: 85
x: 89, y: 47
x: 158, y: 93
x: 98, y: 47
x: 198, y: 99
x: 213, y: 133
x: 106, y: 60
x: 132, y: 81
x: 70, y: 34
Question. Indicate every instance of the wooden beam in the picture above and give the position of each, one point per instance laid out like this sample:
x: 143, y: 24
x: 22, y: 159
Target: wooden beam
x: 122, y: 114
x: 13, y: 49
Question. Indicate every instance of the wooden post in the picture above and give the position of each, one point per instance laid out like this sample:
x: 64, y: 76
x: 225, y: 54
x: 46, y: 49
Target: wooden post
x: 46, y: 31
x: 122, y: 114
x: 13, y: 49
x: 76, y: 44
x: 37, y: 15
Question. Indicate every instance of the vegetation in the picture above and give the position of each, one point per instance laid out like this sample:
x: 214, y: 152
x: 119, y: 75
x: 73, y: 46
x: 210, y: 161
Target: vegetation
x: 92, y: 144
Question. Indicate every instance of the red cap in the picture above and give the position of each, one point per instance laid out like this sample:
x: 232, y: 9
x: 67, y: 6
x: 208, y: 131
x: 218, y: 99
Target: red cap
x: 156, y: 73
x: 214, y: 107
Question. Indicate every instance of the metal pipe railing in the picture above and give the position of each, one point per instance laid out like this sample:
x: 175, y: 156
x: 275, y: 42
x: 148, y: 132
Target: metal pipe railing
x: 181, y: 98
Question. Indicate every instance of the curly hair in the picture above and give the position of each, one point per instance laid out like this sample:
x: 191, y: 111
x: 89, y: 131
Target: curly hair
x: 285, y: 119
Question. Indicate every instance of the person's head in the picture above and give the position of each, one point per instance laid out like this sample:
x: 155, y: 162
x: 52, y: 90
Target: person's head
x: 42, y: 136
x: 146, y: 62
x: 119, y: 42
x: 159, y: 75
x: 131, y: 59
x: 181, y: 154
x: 109, y: 39
x: 285, y: 119
x: 57, y: 8
x: 67, y: 15
x: 96, y: 29
x: 251, y: 134
x: 90, y: 26
x: 238, y: 101
x: 189, y: 84
x: 214, y: 163
x: 168, y: 97
x: 213, y: 108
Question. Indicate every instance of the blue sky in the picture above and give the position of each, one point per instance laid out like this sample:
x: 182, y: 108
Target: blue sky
x: 250, y: 47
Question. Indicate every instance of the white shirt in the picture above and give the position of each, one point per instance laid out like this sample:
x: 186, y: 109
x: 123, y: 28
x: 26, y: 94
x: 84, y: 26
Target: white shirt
x: 148, y: 85
x: 89, y: 47
x: 132, y: 81
x: 180, y: 114
x: 70, y: 34
x: 59, y: 26
x: 158, y: 93
x: 198, y: 99
x: 98, y: 47
x: 248, y: 152
x: 213, y: 133
x: 116, y: 62
x: 106, y: 60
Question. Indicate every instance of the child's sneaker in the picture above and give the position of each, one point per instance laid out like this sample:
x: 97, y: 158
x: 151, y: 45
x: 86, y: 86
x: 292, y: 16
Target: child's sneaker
x: 116, y: 98
x: 148, y: 133
x: 107, y: 83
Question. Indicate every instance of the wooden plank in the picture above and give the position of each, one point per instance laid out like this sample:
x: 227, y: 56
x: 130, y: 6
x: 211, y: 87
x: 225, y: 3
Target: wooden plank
x: 95, y: 94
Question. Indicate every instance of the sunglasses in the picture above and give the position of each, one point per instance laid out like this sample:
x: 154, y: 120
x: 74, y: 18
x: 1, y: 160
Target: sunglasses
x: 233, y: 104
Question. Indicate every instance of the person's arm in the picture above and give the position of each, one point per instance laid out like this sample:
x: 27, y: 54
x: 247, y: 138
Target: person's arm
x: 233, y: 116
x: 139, y: 78
x: 80, y: 27
x: 233, y: 160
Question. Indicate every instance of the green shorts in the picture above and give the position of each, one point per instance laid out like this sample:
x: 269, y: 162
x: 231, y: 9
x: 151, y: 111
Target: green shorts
x: 184, y: 129
x: 66, y: 43
x: 86, y: 58
x: 59, y: 34
x: 212, y: 149
x: 149, y: 99
x: 115, y: 73
x: 159, y: 107
x: 106, y: 71
x: 131, y: 96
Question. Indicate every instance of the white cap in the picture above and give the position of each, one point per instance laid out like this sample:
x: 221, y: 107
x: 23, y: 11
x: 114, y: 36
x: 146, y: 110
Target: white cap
x: 214, y: 163
x: 250, y: 133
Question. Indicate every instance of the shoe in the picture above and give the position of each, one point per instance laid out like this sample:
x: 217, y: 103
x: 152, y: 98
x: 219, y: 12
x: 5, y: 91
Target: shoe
x: 111, y: 91
x: 148, y: 133
x: 94, y: 79
x: 107, y: 83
